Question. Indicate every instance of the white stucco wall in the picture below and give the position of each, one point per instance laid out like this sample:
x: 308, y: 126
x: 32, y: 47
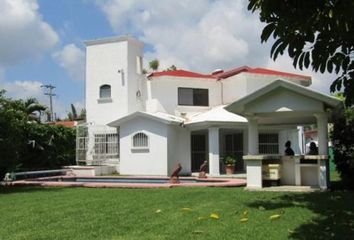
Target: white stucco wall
x: 234, y: 88
x: 179, y: 149
x: 292, y: 136
x: 282, y: 100
x: 144, y: 162
x: 164, y: 94
x: 112, y: 63
x: 240, y: 85
x: 136, y: 80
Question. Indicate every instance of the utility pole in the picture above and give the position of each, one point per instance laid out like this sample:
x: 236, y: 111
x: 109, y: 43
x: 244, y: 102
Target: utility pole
x: 49, y: 92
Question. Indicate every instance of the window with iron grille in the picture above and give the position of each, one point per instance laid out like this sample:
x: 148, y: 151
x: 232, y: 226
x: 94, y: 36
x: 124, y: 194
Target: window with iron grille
x: 268, y: 143
x: 107, y: 144
x: 140, y: 140
x: 193, y: 97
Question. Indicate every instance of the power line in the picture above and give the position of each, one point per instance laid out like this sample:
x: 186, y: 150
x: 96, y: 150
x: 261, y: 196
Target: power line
x: 49, y: 92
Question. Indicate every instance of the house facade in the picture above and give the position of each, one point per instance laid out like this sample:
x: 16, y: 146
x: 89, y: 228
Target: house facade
x: 163, y: 118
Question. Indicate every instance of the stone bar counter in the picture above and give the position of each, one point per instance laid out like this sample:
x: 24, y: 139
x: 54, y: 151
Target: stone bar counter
x: 298, y: 170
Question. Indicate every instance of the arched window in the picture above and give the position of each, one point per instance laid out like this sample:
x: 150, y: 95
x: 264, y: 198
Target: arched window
x: 140, y: 140
x: 105, y: 91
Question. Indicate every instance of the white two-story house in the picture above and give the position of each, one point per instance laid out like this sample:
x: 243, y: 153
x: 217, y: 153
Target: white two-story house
x: 163, y: 118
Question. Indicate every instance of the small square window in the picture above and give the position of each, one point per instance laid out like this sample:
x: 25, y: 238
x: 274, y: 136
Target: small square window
x: 193, y: 97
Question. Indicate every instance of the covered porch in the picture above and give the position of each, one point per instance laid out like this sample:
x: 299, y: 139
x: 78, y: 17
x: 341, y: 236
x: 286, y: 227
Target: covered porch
x: 218, y: 133
x: 213, y: 135
x: 282, y: 103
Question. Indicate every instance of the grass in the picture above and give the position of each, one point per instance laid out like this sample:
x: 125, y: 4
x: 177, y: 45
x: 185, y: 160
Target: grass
x: 83, y: 213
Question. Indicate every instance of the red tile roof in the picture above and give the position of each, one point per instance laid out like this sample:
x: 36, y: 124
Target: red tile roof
x: 229, y: 73
x: 180, y: 73
x: 263, y: 71
x: 69, y: 124
x: 273, y: 72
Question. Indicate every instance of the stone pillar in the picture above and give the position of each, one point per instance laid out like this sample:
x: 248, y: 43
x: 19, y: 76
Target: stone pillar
x: 322, y: 132
x: 297, y: 168
x: 214, y: 158
x: 252, y: 136
x: 254, y: 173
x: 323, y: 174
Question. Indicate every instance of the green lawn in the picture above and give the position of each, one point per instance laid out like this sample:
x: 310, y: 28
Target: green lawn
x: 83, y: 213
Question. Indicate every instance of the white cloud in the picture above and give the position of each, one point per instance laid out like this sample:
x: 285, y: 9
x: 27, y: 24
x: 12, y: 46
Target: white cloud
x: 24, y: 34
x: 72, y: 59
x: 201, y: 36
x: 27, y: 89
x: 24, y: 89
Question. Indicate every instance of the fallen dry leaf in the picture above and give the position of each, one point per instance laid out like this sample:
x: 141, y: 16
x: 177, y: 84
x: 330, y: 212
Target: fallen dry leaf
x: 214, y: 216
x: 274, y: 217
x: 243, y: 219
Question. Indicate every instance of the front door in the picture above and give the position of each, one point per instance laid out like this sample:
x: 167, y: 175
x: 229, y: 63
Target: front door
x: 234, y: 146
x: 198, y: 150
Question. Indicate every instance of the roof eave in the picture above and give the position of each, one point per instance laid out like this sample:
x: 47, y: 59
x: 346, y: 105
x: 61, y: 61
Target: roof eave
x: 236, y: 107
x: 124, y: 119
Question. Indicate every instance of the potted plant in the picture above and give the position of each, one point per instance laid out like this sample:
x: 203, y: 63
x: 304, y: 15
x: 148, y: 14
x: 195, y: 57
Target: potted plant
x: 230, y: 161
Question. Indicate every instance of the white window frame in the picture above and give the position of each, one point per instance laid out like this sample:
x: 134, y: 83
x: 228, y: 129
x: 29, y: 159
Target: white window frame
x: 143, y: 133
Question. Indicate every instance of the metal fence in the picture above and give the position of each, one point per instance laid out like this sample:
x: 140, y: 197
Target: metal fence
x: 96, y: 145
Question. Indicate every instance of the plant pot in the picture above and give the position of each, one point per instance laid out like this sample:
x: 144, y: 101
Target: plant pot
x: 230, y: 169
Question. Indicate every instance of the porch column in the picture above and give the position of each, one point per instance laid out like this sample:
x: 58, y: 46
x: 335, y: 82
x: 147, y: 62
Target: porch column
x: 322, y: 133
x: 253, y: 163
x: 213, y: 135
x: 252, y: 136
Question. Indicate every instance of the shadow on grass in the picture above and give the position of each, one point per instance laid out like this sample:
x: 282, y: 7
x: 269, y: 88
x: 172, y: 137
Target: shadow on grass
x: 20, y: 189
x: 334, y: 213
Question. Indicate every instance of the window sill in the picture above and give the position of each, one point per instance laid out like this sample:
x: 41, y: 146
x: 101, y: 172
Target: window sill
x: 104, y: 100
x: 181, y: 105
x: 139, y: 149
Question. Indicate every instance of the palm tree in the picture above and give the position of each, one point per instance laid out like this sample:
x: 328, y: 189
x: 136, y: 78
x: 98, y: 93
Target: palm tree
x: 31, y: 106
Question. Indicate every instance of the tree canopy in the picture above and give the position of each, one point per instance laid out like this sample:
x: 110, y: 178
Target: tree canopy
x: 317, y: 34
x: 30, y: 145
x: 154, y: 64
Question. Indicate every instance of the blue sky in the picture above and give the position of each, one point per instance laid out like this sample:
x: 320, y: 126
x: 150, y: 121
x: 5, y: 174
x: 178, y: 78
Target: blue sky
x: 42, y: 41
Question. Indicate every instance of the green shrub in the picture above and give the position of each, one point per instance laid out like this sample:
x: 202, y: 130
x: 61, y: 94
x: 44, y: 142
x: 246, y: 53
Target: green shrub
x: 343, y: 146
x: 230, y: 160
x: 29, y: 145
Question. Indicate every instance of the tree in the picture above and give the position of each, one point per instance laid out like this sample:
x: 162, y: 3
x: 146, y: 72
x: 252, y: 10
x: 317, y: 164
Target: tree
x: 29, y: 107
x: 82, y: 115
x: 28, y: 144
x: 32, y: 107
x: 12, y: 120
x: 342, y: 136
x: 154, y: 64
x: 74, y: 113
x: 317, y: 34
